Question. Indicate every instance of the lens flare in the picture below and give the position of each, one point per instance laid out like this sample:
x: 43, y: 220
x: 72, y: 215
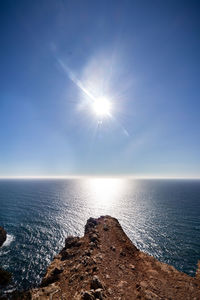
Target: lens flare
x: 101, y: 107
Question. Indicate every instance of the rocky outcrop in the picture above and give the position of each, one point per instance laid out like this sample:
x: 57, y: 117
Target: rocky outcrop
x: 198, y: 271
x: 2, y: 235
x: 104, y: 264
x: 5, y: 277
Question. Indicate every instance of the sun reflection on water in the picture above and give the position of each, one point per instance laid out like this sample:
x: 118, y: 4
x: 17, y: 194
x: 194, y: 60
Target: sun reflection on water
x: 105, y: 191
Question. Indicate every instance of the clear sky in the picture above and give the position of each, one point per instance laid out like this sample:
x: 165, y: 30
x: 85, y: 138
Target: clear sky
x: 57, y: 57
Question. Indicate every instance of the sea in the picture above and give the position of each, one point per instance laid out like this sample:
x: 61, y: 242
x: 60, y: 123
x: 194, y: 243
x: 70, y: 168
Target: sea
x: 161, y: 217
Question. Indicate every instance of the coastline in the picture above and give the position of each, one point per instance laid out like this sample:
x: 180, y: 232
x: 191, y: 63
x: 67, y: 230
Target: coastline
x: 104, y: 263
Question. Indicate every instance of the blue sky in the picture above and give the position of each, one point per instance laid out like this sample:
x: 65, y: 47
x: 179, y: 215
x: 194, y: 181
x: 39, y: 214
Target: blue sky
x: 143, y: 56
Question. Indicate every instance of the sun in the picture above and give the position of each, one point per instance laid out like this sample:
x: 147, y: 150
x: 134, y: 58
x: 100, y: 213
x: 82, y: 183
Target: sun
x: 102, y: 107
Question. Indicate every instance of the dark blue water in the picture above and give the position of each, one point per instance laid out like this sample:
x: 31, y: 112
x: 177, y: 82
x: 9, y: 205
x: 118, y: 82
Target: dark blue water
x: 161, y: 217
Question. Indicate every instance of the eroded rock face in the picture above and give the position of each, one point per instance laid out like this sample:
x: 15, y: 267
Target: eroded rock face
x: 2, y: 235
x: 5, y: 277
x: 91, y: 223
x: 71, y: 242
x: 198, y: 271
x: 104, y: 264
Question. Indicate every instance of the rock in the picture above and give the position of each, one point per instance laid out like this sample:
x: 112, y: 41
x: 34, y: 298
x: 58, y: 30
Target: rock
x: 149, y: 295
x: 49, y: 280
x: 94, y: 237
x: 105, y: 227
x: 88, y: 252
x: 76, y: 268
x: 92, y: 261
x: 5, y: 277
x: 122, y: 253
x: 99, y: 256
x: 72, y: 242
x: 98, y: 294
x: 19, y: 295
x: 94, y: 269
x: 144, y: 284
x: 3, y: 234
x: 122, y: 267
x: 138, y: 287
x: 53, y: 277
x: 198, y: 270
x: 66, y: 254
x: 122, y: 283
x: 73, y: 277
x: 57, y: 271
x: 92, y: 245
x: 132, y: 267
x: 85, y: 261
x: 96, y: 283
x: 91, y: 223
x: 113, y: 248
x: 87, y: 296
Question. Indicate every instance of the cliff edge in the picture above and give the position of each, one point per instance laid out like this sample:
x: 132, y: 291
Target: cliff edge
x: 104, y: 264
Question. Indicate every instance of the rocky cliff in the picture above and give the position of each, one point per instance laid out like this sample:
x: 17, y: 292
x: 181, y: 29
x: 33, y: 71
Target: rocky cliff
x: 2, y: 235
x: 104, y: 264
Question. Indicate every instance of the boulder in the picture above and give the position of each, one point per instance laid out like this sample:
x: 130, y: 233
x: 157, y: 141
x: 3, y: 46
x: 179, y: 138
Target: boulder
x: 5, y: 277
x: 71, y: 242
x: 3, y: 234
x: 98, y: 294
x: 93, y: 238
x: 66, y: 254
x: 96, y: 283
x: 105, y: 227
x: 91, y: 223
x: 87, y: 296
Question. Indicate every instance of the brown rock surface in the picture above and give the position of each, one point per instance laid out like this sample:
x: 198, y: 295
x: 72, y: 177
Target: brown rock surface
x: 104, y: 264
x: 2, y: 235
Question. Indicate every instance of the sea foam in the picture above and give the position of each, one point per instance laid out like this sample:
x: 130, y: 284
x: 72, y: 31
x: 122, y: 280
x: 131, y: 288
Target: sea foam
x: 9, y: 239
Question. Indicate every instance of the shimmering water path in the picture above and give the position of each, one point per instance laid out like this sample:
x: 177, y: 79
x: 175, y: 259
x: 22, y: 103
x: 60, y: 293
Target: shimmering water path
x: 161, y: 217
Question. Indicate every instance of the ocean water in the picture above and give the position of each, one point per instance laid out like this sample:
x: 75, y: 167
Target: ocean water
x: 161, y: 217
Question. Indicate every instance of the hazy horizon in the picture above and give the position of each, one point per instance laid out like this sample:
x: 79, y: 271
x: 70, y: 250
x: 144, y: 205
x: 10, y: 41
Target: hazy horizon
x: 107, y: 176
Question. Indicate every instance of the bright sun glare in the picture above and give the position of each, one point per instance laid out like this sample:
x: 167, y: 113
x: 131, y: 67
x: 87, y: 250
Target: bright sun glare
x: 101, y: 107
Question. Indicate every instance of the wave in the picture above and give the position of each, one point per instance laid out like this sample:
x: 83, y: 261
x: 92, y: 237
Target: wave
x: 9, y: 239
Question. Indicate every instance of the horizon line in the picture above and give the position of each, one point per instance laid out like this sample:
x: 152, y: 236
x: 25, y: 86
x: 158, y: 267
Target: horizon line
x: 128, y: 176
